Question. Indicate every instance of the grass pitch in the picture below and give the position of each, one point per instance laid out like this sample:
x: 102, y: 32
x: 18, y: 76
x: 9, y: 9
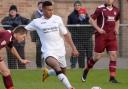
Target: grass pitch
x: 31, y: 79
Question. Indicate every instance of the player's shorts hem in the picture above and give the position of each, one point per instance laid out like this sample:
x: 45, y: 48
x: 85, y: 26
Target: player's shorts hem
x: 99, y: 51
x: 48, y: 57
x: 111, y: 50
x: 106, y: 50
x: 60, y: 59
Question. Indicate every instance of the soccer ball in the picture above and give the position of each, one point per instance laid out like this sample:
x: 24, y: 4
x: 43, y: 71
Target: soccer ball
x: 96, y: 87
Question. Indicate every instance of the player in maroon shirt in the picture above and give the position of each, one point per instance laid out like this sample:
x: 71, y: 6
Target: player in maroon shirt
x: 106, y: 22
x: 6, y: 40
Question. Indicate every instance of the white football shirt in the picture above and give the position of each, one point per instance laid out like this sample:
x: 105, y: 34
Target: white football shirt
x: 50, y: 32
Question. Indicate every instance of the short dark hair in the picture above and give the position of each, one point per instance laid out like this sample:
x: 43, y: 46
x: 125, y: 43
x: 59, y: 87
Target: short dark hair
x: 13, y: 7
x: 20, y: 29
x: 47, y: 3
x: 77, y: 2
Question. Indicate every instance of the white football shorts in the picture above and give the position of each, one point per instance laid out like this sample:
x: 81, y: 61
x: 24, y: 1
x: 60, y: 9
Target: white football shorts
x: 60, y: 59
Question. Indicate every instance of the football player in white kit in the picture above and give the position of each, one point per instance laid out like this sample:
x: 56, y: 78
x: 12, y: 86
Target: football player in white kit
x: 51, y: 31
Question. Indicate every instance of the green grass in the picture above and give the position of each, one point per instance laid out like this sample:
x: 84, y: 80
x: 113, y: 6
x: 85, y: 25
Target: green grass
x: 31, y: 79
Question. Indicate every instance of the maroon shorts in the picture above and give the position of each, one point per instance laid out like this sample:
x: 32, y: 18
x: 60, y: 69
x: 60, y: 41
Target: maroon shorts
x: 108, y: 42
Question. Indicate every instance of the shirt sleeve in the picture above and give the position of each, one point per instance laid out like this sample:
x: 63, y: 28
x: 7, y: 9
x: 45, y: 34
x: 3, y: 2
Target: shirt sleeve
x: 96, y: 14
x: 31, y: 26
x: 62, y: 27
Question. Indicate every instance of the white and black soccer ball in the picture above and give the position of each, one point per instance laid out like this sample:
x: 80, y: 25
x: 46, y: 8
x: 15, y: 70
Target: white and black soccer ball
x: 96, y: 87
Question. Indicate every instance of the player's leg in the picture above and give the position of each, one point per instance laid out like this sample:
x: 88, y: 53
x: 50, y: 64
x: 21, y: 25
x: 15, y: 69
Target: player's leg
x: 99, y: 48
x: 63, y: 65
x: 64, y: 72
x: 112, y: 66
x: 90, y: 64
x: 112, y: 50
x: 6, y: 75
x: 51, y: 72
x: 54, y: 64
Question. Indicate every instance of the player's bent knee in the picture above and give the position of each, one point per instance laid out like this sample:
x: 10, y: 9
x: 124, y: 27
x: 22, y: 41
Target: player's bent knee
x: 97, y: 56
x: 113, y: 57
x: 6, y: 72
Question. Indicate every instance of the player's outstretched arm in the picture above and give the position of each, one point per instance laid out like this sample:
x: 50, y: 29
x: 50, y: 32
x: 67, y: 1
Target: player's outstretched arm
x: 15, y: 53
x: 68, y: 39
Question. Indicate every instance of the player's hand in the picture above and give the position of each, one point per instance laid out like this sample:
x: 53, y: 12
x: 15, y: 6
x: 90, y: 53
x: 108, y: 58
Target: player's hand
x: 75, y: 53
x: 101, y: 31
x: 117, y: 32
x: 24, y: 61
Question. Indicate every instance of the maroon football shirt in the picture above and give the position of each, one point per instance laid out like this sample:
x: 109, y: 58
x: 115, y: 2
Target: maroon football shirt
x: 106, y: 17
x: 6, y: 38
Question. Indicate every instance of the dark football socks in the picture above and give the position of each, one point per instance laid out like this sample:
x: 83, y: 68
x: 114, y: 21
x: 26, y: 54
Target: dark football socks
x: 8, y: 82
x: 90, y: 64
x: 112, y: 69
